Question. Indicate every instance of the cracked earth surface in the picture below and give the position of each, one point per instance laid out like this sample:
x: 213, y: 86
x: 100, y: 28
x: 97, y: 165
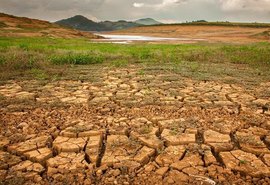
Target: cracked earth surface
x: 134, y: 129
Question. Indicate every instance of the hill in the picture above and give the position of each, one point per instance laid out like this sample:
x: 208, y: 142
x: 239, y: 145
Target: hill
x: 21, y: 26
x: 82, y: 23
x: 147, y: 21
x: 119, y: 25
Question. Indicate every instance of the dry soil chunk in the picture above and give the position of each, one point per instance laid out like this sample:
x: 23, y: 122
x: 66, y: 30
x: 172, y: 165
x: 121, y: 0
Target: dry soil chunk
x: 172, y: 138
x: 211, y: 136
x: 81, y: 130
x: 221, y: 147
x: 30, y: 144
x: 26, y: 170
x: 67, y: 164
x: 39, y: 155
x: 28, y: 166
x: 245, y: 162
x: 119, y: 149
x: 161, y: 171
x: 118, y: 128
x: 251, y: 143
x: 65, y: 144
x: 189, y: 161
x: 148, y: 138
x: 176, y: 177
x: 170, y: 155
x: 197, y: 170
x: 7, y: 160
x: 144, y: 155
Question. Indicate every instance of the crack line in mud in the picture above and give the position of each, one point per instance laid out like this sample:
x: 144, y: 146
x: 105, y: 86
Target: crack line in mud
x: 102, y: 148
x: 234, y: 140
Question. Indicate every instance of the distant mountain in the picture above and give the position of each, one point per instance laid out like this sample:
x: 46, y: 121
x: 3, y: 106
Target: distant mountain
x: 82, y: 23
x: 147, y: 21
x: 26, y: 27
x: 119, y: 25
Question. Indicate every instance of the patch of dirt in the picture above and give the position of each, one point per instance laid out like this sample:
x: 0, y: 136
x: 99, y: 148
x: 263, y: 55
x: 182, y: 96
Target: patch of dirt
x: 212, y: 34
x: 108, y: 132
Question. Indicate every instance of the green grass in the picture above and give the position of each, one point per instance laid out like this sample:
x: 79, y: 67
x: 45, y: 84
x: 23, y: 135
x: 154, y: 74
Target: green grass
x: 44, y: 57
x: 119, y: 63
x: 75, y: 59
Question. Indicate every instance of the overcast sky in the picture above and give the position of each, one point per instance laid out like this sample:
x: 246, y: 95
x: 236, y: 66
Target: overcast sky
x: 162, y: 10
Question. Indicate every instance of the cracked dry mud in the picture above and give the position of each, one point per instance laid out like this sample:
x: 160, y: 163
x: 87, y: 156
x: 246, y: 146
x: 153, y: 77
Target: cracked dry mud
x: 129, y: 128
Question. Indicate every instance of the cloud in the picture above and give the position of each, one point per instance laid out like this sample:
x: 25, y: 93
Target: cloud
x: 160, y: 5
x: 138, y: 5
x: 18, y: 6
x: 169, y: 2
x: 167, y: 10
x: 245, y: 5
x: 166, y: 3
x: 50, y: 9
x: 82, y: 5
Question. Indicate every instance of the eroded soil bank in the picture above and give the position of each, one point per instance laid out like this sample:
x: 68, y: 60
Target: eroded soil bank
x: 134, y: 128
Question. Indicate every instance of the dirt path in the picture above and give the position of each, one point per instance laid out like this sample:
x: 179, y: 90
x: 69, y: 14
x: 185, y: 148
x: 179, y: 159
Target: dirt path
x: 131, y: 128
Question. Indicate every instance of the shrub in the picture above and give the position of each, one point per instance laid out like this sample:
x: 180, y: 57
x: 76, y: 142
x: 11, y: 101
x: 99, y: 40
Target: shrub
x: 20, y: 60
x: 76, y: 59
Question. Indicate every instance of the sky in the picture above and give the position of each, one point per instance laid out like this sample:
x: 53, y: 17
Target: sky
x: 167, y: 11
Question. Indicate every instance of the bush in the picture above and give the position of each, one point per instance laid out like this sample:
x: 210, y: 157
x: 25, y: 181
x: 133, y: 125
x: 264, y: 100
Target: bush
x: 20, y: 60
x: 76, y: 59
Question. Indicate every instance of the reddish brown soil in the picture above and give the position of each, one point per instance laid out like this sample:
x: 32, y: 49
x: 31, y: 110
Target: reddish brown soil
x: 214, y: 34
x: 134, y: 129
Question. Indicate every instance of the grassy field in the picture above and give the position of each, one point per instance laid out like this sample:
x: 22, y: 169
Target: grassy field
x: 50, y: 59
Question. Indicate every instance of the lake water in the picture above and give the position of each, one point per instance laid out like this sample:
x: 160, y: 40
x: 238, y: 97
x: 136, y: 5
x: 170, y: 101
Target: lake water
x: 125, y: 39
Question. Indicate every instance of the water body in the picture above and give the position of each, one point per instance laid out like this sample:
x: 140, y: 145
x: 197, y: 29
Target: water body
x: 125, y: 39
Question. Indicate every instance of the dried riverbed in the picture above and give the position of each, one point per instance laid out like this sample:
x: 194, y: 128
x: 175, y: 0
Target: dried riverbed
x: 132, y: 128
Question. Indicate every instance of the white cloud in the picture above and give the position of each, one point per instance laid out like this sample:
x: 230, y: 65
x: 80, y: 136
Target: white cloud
x: 166, y: 3
x: 169, y: 2
x: 160, y: 5
x: 138, y: 5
